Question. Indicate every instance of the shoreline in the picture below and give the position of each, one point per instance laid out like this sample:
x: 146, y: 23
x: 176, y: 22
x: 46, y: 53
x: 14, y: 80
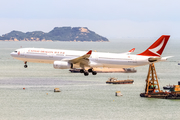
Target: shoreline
x: 46, y: 41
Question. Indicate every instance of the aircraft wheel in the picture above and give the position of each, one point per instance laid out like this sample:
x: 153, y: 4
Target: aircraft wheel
x: 90, y: 70
x: 94, y: 72
x: 86, y: 73
x: 25, y: 66
x: 81, y: 71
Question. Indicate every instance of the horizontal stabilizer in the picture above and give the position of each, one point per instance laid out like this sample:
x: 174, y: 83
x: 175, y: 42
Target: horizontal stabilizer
x: 154, y: 59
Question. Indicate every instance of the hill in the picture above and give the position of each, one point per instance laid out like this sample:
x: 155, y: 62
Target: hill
x: 57, y: 34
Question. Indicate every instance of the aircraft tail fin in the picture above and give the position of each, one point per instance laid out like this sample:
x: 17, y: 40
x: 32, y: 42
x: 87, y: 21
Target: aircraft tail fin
x: 157, y: 47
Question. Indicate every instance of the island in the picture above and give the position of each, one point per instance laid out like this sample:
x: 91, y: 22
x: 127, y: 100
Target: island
x: 75, y: 34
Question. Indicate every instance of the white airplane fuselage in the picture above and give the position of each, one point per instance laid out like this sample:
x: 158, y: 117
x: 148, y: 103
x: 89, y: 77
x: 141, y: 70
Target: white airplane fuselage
x: 97, y: 59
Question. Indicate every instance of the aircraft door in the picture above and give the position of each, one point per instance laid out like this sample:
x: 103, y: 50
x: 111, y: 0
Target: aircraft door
x: 21, y: 53
x: 132, y: 59
x: 50, y: 55
x: 95, y: 56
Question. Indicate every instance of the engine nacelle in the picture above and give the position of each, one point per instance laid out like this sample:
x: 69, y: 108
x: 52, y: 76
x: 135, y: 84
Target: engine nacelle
x: 61, y: 65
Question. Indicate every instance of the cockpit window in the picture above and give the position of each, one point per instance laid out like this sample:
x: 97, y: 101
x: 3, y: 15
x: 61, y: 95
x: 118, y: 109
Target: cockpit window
x: 15, y: 51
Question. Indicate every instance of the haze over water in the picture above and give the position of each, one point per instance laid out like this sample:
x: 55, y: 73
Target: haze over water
x: 83, y: 97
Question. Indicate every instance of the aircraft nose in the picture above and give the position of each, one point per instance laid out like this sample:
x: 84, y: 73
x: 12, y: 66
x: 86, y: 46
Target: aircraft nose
x: 12, y: 54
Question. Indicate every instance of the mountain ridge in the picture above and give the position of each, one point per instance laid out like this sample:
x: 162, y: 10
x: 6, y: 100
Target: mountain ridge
x: 76, y: 34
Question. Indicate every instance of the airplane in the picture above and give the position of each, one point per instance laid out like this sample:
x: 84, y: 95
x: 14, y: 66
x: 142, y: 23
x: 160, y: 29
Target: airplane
x: 67, y: 59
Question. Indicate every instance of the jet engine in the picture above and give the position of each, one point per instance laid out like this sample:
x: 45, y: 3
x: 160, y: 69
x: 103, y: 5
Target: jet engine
x: 62, y: 65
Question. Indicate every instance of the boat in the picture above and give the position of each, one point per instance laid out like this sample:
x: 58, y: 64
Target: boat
x: 168, y: 87
x: 74, y: 70
x: 115, y: 81
x: 107, y: 70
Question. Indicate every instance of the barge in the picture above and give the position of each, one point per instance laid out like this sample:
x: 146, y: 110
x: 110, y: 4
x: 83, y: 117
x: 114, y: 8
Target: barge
x: 108, y: 70
x: 115, y: 81
x: 152, y: 89
x: 174, y: 93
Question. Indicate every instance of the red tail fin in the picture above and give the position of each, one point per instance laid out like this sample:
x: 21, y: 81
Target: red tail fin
x: 157, y: 47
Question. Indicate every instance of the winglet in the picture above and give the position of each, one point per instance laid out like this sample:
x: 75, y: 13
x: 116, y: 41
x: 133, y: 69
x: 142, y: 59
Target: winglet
x: 132, y: 50
x: 79, y: 59
x: 157, y: 47
x: 89, y: 52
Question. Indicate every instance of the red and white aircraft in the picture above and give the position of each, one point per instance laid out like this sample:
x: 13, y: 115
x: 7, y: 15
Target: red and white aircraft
x: 66, y: 59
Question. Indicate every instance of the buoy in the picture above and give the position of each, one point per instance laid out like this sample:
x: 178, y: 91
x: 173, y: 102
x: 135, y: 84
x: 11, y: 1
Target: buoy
x: 46, y: 93
x: 118, y: 93
x: 23, y: 88
x: 56, y: 90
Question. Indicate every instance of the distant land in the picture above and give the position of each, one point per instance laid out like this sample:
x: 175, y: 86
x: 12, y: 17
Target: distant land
x: 74, y: 34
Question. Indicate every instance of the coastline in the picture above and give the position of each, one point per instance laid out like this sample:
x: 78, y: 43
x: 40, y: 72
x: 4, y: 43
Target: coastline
x: 49, y: 41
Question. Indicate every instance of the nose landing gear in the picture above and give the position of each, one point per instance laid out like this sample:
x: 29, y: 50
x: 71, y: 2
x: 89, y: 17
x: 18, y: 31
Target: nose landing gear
x: 25, y: 66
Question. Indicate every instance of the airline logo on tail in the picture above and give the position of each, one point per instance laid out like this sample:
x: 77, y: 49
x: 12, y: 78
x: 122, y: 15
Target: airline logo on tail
x: 157, y: 47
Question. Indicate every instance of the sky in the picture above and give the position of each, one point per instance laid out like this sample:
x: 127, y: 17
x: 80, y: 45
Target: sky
x: 109, y: 18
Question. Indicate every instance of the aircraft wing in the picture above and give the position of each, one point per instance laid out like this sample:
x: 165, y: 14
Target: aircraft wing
x: 82, y: 59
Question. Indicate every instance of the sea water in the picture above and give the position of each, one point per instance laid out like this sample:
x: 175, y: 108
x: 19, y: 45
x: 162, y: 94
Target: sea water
x: 83, y: 97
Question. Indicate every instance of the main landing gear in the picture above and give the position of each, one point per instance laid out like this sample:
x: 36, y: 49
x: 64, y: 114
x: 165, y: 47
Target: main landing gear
x: 86, y: 73
x: 25, y: 64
